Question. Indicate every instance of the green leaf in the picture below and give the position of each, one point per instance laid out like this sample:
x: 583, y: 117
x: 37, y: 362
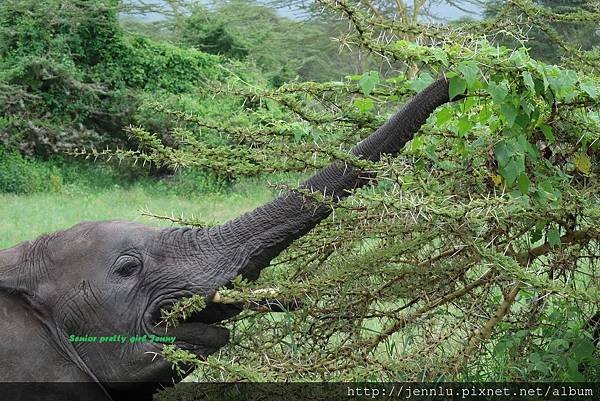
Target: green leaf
x: 498, y: 92
x: 503, y: 152
x: 300, y: 132
x: 439, y: 55
x: 535, y: 357
x: 463, y: 126
x: 518, y: 57
x: 528, y: 80
x: 364, y: 104
x: 368, y: 81
x: 503, y: 345
x: 536, y: 235
x: 553, y: 236
x: 417, y: 143
x: 469, y: 71
x: 592, y: 90
x: 511, y: 159
x: 542, y: 367
x: 522, y: 120
x: 510, y: 113
x: 521, y: 334
x: 457, y: 87
x: 547, y: 131
x: 469, y: 103
x: 563, y: 82
x: 443, y: 115
x: 547, y: 193
x: 558, y: 345
x: 573, y: 373
x: 583, y: 350
x: 512, y: 170
x: 524, y: 183
x: 484, y: 114
x: 460, y: 148
x: 422, y: 82
x: 522, y: 143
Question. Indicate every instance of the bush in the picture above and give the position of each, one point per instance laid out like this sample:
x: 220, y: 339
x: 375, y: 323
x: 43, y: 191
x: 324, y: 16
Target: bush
x: 196, y: 181
x: 21, y: 175
x: 70, y: 77
x: 85, y: 176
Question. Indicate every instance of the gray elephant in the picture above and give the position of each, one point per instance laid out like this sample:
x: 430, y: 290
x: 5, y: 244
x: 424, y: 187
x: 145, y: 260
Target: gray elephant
x: 108, y: 278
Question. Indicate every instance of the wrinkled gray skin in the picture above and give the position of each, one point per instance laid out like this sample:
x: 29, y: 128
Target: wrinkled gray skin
x: 105, y: 278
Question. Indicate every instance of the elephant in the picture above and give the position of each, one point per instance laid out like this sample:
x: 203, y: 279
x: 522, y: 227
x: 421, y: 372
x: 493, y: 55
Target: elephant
x: 114, y: 277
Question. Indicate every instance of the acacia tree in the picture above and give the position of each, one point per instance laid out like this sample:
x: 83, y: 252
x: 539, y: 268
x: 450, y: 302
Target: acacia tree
x: 475, y: 254
x: 557, y: 30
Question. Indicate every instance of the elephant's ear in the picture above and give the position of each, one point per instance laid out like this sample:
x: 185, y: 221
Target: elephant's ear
x: 13, y: 274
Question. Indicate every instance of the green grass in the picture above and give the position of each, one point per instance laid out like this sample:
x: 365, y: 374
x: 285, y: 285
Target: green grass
x: 25, y: 217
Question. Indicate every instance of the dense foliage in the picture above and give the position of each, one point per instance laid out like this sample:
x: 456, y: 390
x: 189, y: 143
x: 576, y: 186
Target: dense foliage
x: 20, y: 175
x: 69, y: 76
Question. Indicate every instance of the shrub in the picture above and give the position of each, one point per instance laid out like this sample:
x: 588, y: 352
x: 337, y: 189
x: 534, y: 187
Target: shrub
x: 70, y: 77
x: 196, y: 181
x: 21, y: 175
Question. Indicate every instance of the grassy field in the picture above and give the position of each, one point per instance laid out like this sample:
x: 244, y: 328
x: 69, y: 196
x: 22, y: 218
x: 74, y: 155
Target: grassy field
x: 25, y: 217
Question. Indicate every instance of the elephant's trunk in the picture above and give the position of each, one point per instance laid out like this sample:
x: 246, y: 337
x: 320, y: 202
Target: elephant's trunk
x: 252, y: 240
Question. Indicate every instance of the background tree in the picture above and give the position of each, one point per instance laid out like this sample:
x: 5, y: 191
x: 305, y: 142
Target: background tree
x: 559, y: 29
x: 281, y: 48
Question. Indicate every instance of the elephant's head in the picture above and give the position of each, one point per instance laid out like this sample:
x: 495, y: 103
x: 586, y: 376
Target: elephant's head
x: 105, y: 279
x: 113, y: 278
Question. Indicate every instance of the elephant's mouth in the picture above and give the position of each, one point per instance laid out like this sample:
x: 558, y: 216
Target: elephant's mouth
x: 197, y: 333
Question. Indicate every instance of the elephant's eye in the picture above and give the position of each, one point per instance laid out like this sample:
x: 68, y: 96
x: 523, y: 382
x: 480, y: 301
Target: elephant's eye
x: 127, y: 266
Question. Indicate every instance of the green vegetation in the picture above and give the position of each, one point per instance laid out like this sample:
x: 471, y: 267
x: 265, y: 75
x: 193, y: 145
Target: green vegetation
x: 69, y: 75
x: 25, y: 217
x: 282, y: 49
x: 19, y: 175
x: 569, y: 25
x: 475, y: 257
x: 38, y: 197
